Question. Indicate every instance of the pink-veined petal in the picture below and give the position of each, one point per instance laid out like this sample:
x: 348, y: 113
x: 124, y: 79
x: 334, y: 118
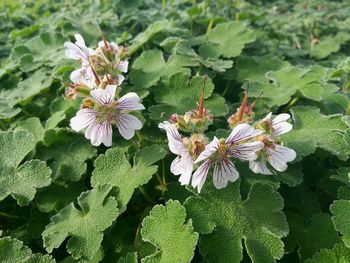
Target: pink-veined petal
x: 241, y: 133
x: 245, y: 151
x: 175, y: 143
x: 224, y: 171
x: 123, y: 66
x: 281, y: 128
x: 259, y: 167
x: 200, y: 175
x: 127, y: 124
x: 105, y: 96
x: 79, y: 40
x: 278, y: 156
x: 83, y: 118
x: 100, y: 133
x: 210, y: 148
x: 130, y: 101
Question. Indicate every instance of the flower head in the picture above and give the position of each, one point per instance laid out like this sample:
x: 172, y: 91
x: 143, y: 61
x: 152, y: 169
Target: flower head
x: 79, y: 51
x: 106, y: 112
x: 275, y: 154
x: 218, y: 152
x: 183, y: 164
x: 277, y: 125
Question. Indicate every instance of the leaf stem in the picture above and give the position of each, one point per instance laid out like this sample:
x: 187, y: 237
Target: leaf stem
x: 6, y: 215
x: 145, y: 194
x: 226, y: 88
x: 292, y: 103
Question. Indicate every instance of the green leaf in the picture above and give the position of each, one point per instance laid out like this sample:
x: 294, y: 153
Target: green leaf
x: 68, y: 160
x: 287, y: 81
x: 39, y: 258
x: 181, y: 94
x: 306, y: 235
x: 85, y: 225
x: 113, y: 168
x: 130, y: 258
x: 20, y: 181
x: 314, y: 130
x: 13, y: 251
x: 329, y: 45
x: 341, y: 218
x: 150, y: 154
x: 6, y: 110
x: 223, y: 220
x: 338, y: 254
x: 166, y: 229
x: 34, y: 126
x: 227, y: 40
x: 150, y: 66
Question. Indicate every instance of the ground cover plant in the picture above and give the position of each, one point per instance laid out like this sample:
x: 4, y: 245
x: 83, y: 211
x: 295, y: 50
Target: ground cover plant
x: 175, y: 131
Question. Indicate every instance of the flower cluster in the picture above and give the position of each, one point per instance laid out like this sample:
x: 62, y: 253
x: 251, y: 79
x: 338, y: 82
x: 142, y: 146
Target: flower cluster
x: 256, y: 142
x: 98, y: 82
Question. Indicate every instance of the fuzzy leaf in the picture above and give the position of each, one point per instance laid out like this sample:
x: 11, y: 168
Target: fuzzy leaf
x: 341, y: 214
x: 13, y: 251
x: 224, y: 220
x: 227, y: 40
x: 150, y: 66
x: 329, y: 45
x: 84, y: 225
x: 113, y: 168
x: 20, y: 181
x: 338, y: 254
x: 166, y: 229
x: 313, y: 129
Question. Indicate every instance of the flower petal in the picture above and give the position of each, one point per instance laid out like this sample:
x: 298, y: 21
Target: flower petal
x: 245, y: 151
x: 130, y: 101
x: 210, y: 148
x: 224, y: 171
x: 182, y: 165
x: 127, y: 124
x: 200, y: 175
x: 123, y: 66
x: 280, y: 118
x: 241, y: 133
x: 267, y: 117
x: 279, y: 156
x: 83, y: 118
x: 100, y: 133
x: 175, y: 143
x: 105, y: 96
x: 259, y: 166
x: 281, y: 128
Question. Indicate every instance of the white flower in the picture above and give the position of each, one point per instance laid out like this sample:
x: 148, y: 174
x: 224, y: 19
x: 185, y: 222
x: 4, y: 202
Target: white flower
x: 277, y: 155
x: 278, y: 125
x: 83, y: 76
x: 107, y: 112
x: 218, y: 152
x: 182, y: 165
x: 79, y: 51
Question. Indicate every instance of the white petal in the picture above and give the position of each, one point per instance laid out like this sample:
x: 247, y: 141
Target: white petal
x: 246, y: 151
x: 123, y: 66
x: 259, y: 166
x: 120, y: 79
x: 100, y: 133
x: 242, y: 132
x: 280, y: 118
x: 83, y: 119
x: 182, y: 165
x: 106, y: 134
x: 130, y: 101
x: 105, y: 96
x: 279, y: 156
x: 268, y: 117
x: 114, y: 46
x: 175, y: 143
x: 127, y: 124
x: 224, y: 171
x: 79, y: 40
x: 75, y: 52
x: 176, y: 167
x: 281, y: 128
x: 210, y: 148
x: 200, y: 175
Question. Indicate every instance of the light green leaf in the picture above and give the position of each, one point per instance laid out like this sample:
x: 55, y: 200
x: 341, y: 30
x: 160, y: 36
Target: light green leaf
x: 313, y: 129
x: 227, y: 40
x: 150, y: 154
x: 34, y: 126
x: 223, y: 220
x: 150, y: 66
x: 39, y: 258
x: 341, y: 218
x: 13, y: 251
x: 130, y: 258
x: 166, y: 229
x: 113, y: 168
x: 338, y: 254
x: 6, y: 110
x: 85, y: 225
x: 181, y: 94
x: 329, y: 45
x: 20, y: 181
